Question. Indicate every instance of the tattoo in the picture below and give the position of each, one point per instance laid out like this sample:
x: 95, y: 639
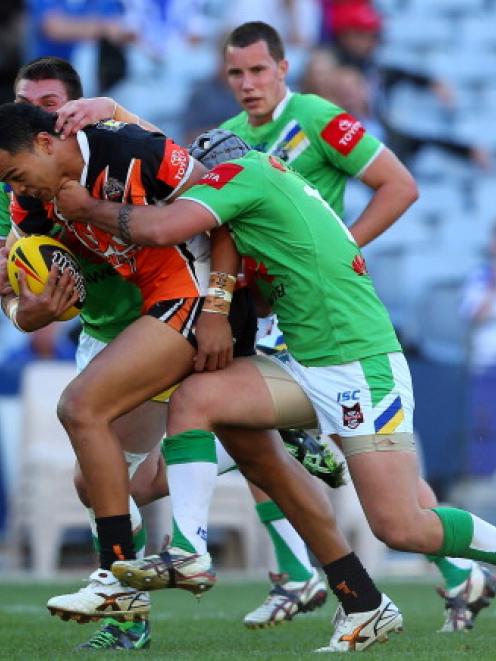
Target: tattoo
x: 123, y: 219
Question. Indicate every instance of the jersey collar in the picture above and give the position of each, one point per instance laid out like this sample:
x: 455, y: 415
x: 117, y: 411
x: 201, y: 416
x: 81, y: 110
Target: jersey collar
x: 281, y: 106
x: 84, y: 146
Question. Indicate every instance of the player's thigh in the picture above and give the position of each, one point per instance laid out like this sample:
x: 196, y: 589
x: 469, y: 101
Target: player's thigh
x: 147, y: 357
x: 387, y: 485
x: 143, y: 428
x: 253, y: 392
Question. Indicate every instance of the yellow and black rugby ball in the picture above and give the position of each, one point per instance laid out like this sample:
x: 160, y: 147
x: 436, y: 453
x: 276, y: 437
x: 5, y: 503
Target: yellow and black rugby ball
x: 34, y: 255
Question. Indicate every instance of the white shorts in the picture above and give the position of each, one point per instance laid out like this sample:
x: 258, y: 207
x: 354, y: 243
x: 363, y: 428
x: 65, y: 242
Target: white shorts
x: 88, y: 348
x: 370, y: 396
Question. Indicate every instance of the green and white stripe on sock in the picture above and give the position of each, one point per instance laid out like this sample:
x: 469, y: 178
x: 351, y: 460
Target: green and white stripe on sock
x: 191, y: 461
x: 466, y: 536
x: 455, y: 571
x: 290, y: 550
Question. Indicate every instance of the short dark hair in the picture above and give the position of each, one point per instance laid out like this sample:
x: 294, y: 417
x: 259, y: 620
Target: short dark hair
x: 48, y: 68
x: 249, y: 33
x: 20, y: 123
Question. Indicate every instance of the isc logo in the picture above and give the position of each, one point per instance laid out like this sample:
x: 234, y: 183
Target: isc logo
x: 348, y: 396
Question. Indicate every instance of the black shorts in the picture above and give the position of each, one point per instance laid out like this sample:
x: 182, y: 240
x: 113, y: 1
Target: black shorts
x: 181, y: 314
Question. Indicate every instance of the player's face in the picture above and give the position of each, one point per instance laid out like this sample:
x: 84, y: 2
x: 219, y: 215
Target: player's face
x: 256, y: 79
x: 48, y: 94
x: 32, y: 172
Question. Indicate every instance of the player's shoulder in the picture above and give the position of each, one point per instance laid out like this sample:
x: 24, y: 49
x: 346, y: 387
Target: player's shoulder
x: 235, y: 122
x: 111, y: 131
x: 309, y: 104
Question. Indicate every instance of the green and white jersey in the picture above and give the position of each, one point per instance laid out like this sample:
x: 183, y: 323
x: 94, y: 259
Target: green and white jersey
x: 4, y: 213
x: 310, y: 268
x: 318, y: 139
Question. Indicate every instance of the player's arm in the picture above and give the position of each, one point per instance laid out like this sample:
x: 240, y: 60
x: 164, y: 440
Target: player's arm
x: 75, y: 115
x: 394, y: 191
x: 145, y: 225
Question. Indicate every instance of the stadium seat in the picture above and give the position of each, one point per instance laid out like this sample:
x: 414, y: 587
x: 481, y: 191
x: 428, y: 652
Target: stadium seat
x: 447, y: 7
x: 442, y: 331
x: 412, y: 30
x: 45, y: 503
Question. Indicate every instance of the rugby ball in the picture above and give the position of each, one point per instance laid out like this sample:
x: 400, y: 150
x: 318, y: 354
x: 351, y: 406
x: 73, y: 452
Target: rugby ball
x: 34, y: 255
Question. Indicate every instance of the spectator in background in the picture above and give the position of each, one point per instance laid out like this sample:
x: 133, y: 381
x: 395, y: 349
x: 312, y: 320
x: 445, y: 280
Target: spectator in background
x: 56, y: 27
x: 11, y: 39
x: 353, y: 32
x: 343, y: 85
x: 297, y: 21
x: 51, y: 342
x: 478, y: 307
x: 210, y: 103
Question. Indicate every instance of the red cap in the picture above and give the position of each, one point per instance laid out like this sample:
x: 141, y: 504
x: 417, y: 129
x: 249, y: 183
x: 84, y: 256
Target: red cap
x: 355, y: 16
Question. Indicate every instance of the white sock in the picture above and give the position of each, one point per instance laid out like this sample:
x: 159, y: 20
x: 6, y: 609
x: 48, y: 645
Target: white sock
x: 224, y: 460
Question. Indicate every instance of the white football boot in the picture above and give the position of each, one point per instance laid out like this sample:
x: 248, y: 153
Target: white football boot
x: 104, y: 596
x: 358, y: 631
x: 464, y: 602
x: 287, y: 599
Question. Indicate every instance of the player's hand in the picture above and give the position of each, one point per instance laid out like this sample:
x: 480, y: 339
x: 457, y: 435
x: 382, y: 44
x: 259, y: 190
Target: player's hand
x: 215, y: 342
x: 5, y: 287
x: 75, y: 115
x: 38, y: 310
x: 74, y: 201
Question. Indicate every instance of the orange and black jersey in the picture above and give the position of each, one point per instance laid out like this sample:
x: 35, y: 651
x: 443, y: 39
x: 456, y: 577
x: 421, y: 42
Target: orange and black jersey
x: 126, y: 164
x: 32, y: 216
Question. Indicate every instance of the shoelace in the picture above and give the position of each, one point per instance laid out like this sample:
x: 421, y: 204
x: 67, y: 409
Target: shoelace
x: 107, y: 635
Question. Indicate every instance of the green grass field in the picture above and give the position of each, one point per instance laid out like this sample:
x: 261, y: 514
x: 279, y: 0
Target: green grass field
x: 212, y: 629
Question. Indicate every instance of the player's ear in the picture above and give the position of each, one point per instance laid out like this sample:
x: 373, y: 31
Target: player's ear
x: 45, y: 141
x: 283, y: 66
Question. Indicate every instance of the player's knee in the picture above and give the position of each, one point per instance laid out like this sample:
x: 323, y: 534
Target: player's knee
x: 192, y: 395
x: 80, y: 486
x: 396, y: 532
x: 72, y: 408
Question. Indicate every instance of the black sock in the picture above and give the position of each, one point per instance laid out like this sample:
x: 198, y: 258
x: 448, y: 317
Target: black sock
x: 115, y: 535
x: 351, y: 584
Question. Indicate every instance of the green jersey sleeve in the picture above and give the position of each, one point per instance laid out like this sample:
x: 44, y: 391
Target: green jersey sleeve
x: 340, y: 137
x: 4, y: 212
x: 230, y: 189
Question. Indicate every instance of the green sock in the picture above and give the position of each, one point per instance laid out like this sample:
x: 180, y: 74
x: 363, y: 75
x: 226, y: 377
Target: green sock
x: 191, y: 461
x: 466, y: 536
x: 453, y: 575
x: 291, y: 552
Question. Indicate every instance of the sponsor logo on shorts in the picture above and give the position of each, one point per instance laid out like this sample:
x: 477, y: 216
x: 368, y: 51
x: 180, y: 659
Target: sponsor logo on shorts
x: 348, y: 395
x: 359, y: 265
x: 343, y: 133
x: 221, y: 175
x: 352, y: 416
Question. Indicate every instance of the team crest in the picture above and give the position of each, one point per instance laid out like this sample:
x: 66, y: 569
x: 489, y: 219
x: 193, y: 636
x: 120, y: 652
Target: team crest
x: 113, y: 189
x: 352, y: 416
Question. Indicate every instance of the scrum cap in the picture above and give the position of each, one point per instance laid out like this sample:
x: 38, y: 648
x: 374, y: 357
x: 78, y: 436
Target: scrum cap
x: 216, y: 146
